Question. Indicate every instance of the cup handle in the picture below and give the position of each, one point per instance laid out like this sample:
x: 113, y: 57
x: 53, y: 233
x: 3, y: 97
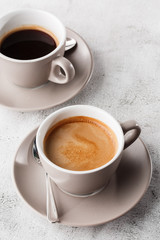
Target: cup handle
x: 56, y: 74
x: 134, y: 129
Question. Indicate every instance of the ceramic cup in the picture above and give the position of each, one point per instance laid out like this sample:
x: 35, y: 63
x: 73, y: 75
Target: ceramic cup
x: 35, y: 72
x: 84, y: 183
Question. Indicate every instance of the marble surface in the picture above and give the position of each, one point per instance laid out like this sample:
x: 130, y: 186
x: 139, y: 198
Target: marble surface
x: 124, y: 37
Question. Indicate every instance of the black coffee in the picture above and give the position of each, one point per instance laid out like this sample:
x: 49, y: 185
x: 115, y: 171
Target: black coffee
x: 27, y: 44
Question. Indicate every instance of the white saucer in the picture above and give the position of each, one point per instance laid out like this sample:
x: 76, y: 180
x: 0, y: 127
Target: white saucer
x: 124, y: 191
x: 51, y: 94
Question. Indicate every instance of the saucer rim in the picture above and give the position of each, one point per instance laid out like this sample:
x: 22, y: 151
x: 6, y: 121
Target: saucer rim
x: 31, y: 109
x: 33, y: 131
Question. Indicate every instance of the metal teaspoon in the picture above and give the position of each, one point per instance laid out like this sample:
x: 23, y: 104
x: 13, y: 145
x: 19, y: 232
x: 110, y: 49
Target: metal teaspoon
x: 52, y: 214
x: 70, y: 43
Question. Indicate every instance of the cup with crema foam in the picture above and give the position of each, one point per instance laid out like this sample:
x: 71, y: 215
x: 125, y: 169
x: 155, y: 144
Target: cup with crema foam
x: 81, y: 146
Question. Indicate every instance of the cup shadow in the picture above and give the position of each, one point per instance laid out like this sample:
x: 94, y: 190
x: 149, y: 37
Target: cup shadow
x: 151, y: 198
x: 149, y: 201
x: 94, y: 86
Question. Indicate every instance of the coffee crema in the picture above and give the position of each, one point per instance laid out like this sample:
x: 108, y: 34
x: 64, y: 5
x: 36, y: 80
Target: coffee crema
x: 80, y: 143
x: 28, y: 42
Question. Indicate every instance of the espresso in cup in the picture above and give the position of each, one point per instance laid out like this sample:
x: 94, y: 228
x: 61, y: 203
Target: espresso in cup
x: 80, y: 143
x: 29, y: 42
x: 32, y: 46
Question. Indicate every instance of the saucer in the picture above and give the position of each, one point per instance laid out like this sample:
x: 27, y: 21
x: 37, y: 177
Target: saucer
x: 125, y: 189
x: 51, y: 94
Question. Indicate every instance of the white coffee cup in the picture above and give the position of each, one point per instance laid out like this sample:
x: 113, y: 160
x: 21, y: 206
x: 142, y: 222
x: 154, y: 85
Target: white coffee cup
x: 82, y: 183
x: 35, y: 72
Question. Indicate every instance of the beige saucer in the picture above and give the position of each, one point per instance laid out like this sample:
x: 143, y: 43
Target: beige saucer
x: 51, y: 94
x: 124, y: 191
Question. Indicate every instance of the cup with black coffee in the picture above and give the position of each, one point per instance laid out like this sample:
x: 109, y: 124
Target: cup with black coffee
x: 81, y: 146
x: 32, y: 45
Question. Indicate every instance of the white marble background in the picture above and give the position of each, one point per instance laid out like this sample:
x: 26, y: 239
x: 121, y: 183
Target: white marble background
x: 124, y: 37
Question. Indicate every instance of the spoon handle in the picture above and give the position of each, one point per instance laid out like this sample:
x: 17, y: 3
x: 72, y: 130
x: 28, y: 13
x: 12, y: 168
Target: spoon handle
x: 70, y: 43
x: 52, y: 214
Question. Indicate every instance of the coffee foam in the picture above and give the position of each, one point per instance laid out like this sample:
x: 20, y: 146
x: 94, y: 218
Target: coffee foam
x: 80, y: 143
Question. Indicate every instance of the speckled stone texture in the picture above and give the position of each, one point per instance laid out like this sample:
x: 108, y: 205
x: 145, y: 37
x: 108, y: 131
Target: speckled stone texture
x: 124, y: 37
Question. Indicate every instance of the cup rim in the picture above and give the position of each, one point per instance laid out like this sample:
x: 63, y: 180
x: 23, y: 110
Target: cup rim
x: 40, y: 58
x: 41, y: 153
